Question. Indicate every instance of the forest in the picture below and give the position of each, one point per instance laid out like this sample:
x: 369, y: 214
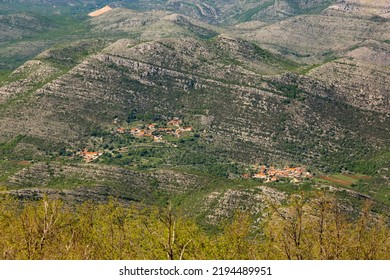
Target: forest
x: 306, y: 228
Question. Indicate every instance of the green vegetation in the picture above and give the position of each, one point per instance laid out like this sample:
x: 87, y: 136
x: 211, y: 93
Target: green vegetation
x: 307, y: 69
x: 66, y: 56
x: 291, y: 91
x: 342, y: 179
x: 4, y: 76
x: 371, y: 166
x: 247, y: 16
x: 379, y: 169
x: 34, y: 86
x: 6, y: 148
x: 315, y: 9
x: 39, y: 32
x: 200, y: 32
x: 303, y: 229
x: 8, y: 168
x: 246, y: 104
x: 275, y: 59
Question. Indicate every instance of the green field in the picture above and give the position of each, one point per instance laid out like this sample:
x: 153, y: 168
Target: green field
x: 342, y: 179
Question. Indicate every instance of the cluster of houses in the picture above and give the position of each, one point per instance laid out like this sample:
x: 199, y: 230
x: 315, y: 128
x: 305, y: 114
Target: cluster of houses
x: 89, y: 156
x: 173, y: 128
x: 273, y: 174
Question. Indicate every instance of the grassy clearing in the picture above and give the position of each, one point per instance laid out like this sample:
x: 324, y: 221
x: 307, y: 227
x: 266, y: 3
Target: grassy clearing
x: 342, y: 179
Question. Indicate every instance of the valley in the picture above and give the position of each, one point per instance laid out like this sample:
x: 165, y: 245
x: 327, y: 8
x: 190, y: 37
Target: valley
x: 211, y: 107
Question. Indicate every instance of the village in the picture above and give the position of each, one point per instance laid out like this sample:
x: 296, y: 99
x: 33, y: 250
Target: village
x: 89, y: 156
x: 173, y: 128
x: 273, y: 174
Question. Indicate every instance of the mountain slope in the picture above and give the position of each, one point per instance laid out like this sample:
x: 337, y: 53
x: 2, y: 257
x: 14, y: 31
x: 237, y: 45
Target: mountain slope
x: 310, y: 90
x: 314, y: 38
x: 280, y: 118
x: 222, y: 12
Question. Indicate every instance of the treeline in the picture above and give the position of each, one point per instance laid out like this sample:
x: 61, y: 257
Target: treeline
x: 315, y: 228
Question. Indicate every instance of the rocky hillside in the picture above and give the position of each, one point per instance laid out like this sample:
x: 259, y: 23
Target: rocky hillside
x: 275, y: 111
x: 315, y: 38
x: 273, y: 82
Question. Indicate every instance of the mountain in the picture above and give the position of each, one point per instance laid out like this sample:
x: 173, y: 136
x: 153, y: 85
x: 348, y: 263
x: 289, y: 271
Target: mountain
x: 150, y: 105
